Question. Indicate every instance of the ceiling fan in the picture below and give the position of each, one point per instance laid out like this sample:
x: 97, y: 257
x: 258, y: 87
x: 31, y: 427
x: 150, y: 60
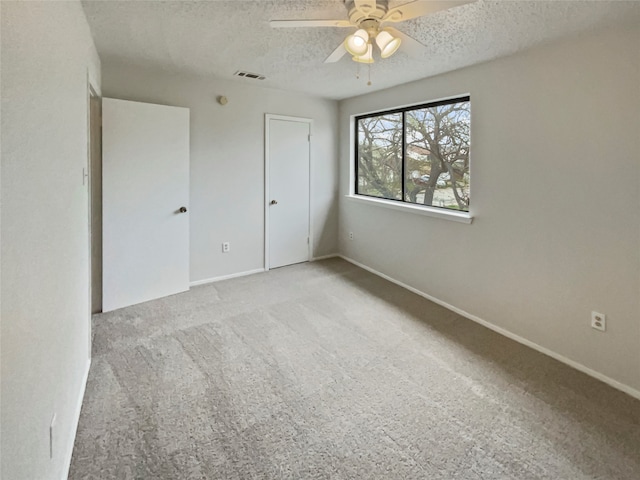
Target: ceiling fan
x: 370, y: 18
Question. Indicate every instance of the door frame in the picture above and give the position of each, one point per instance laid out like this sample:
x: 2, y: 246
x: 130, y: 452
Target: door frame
x: 268, y: 117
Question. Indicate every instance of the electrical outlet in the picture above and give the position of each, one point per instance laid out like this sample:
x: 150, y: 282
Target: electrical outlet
x: 350, y: 235
x: 51, y: 432
x: 226, y: 247
x: 598, y: 321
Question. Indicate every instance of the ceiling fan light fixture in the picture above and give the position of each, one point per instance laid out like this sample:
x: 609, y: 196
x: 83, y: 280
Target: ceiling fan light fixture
x: 367, y: 57
x: 357, y: 44
x: 388, y: 43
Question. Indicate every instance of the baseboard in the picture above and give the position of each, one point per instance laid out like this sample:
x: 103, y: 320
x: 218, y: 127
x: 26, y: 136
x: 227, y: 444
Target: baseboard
x: 76, y: 421
x: 250, y: 272
x: 225, y: 277
x: 324, y: 257
x: 578, y: 366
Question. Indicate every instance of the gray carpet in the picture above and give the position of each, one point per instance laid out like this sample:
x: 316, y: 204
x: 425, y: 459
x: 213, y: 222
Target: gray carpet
x: 323, y: 370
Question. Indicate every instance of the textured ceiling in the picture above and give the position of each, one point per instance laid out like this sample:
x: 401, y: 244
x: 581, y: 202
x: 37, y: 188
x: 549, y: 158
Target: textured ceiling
x: 211, y: 37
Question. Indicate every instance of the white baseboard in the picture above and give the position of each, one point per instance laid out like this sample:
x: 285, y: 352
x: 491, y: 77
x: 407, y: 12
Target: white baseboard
x: 225, y: 277
x: 76, y: 421
x: 250, y: 272
x: 324, y: 257
x: 578, y: 366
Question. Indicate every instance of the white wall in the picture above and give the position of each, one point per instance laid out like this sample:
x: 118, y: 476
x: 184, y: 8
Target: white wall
x: 555, y: 190
x: 46, y: 52
x: 227, y: 161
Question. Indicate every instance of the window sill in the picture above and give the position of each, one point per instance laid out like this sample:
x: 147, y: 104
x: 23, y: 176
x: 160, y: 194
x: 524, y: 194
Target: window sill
x: 452, y: 215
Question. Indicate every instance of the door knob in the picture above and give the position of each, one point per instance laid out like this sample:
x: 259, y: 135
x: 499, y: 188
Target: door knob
x: 274, y: 202
x: 183, y: 210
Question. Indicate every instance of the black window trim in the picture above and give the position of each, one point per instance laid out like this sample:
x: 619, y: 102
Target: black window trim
x: 403, y: 110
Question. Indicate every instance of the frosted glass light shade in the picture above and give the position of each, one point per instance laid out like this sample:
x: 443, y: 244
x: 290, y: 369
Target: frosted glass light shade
x: 366, y: 58
x: 356, y: 44
x: 388, y: 44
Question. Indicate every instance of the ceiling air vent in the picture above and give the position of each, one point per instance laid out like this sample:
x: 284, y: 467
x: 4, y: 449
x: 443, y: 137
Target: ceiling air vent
x: 253, y: 76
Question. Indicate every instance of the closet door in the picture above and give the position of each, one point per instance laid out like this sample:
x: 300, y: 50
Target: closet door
x: 287, y: 190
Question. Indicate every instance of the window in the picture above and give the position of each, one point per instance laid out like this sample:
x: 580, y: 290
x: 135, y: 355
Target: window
x: 417, y: 155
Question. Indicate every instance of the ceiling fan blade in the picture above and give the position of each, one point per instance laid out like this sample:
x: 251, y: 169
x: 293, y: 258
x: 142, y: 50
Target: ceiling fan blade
x: 337, y: 54
x: 309, y: 23
x: 409, y: 45
x: 420, y: 8
x: 365, y: 6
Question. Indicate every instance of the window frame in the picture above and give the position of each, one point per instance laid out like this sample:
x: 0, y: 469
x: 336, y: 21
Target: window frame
x: 402, y: 202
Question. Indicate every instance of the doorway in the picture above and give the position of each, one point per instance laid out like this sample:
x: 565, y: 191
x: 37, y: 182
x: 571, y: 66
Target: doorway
x: 95, y: 198
x: 287, y: 190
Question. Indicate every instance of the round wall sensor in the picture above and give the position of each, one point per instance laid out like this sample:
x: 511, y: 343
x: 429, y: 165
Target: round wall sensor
x: 222, y: 100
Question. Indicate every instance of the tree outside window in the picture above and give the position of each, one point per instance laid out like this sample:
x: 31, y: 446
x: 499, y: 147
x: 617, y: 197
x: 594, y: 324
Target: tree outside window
x: 417, y: 155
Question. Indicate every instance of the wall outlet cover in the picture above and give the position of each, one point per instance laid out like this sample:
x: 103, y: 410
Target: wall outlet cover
x: 599, y: 321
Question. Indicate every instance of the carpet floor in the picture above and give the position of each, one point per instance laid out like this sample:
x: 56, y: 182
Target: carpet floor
x: 325, y: 371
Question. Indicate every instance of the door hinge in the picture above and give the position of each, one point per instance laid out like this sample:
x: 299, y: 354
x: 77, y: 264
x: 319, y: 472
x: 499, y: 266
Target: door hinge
x: 308, y: 137
x: 307, y: 239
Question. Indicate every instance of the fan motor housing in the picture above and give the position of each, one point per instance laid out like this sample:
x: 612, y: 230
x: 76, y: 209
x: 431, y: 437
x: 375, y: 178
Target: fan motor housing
x: 364, y: 13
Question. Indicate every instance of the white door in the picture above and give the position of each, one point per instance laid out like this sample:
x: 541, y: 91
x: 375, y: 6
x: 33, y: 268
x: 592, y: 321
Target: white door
x: 145, y: 184
x: 287, y: 191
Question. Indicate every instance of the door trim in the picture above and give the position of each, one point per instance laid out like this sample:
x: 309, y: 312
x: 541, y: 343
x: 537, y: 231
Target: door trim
x: 268, y: 117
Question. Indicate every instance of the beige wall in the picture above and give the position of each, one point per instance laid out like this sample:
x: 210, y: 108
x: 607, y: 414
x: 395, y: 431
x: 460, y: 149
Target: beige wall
x: 47, y: 52
x: 555, y: 190
x: 227, y: 161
